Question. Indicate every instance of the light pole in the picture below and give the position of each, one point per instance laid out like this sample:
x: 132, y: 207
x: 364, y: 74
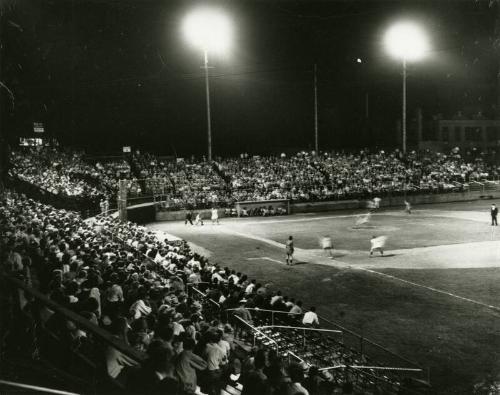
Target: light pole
x: 408, y: 42
x: 209, y: 30
x: 209, y: 118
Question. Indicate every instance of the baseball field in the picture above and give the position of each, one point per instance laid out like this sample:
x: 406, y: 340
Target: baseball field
x: 433, y: 297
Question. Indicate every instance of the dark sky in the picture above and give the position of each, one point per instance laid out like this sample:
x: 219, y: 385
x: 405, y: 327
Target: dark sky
x: 106, y: 73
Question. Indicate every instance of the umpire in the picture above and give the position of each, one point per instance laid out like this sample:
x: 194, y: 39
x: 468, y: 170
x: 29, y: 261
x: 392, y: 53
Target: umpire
x: 494, y: 213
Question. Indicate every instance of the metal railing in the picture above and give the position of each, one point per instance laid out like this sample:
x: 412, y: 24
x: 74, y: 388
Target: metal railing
x: 364, y: 346
x: 273, y: 313
x: 256, y: 333
x: 81, y: 361
x: 26, y: 388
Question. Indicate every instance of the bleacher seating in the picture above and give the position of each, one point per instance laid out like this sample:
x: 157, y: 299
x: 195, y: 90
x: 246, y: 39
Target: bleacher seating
x: 157, y: 300
x: 302, y: 177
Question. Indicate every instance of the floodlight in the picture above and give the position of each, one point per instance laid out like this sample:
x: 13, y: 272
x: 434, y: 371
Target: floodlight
x: 406, y: 41
x: 208, y: 29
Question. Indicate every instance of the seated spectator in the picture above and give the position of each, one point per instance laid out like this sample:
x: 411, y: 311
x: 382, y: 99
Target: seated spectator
x: 311, y: 318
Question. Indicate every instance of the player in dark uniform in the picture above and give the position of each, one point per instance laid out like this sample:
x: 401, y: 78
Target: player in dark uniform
x: 289, y: 250
x: 494, y: 213
x: 189, y: 217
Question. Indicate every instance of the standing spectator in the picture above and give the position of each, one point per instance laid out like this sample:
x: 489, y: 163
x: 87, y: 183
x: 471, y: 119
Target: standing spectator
x: 215, y: 357
x: 243, y: 312
x: 187, y: 365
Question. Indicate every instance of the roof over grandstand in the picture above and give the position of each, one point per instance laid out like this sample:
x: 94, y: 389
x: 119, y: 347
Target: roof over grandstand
x: 107, y: 73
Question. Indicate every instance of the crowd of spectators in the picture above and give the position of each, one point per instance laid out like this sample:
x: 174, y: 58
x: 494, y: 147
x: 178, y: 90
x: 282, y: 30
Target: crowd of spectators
x: 53, y: 171
x: 337, y: 175
x: 301, y: 177
x: 137, y: 285
x: 66, y: 173
x: 184, y: 183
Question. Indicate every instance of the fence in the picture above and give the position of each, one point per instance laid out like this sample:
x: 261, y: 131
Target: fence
x: 301, y: 345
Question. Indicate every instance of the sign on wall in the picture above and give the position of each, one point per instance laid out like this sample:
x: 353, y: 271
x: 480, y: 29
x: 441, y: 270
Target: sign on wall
x: 38, y: 127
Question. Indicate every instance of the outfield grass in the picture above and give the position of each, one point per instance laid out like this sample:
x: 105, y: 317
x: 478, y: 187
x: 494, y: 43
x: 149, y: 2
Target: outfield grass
x: 457, y: 339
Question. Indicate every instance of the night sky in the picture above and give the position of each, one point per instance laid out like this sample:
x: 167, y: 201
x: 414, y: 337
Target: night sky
x: 105, y: 73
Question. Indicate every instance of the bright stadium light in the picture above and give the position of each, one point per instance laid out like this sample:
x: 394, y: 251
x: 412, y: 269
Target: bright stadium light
x: 209, y: 30
x: 408, y: 42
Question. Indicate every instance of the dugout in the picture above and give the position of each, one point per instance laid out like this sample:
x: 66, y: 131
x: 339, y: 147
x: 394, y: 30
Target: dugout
x: 275, y: 203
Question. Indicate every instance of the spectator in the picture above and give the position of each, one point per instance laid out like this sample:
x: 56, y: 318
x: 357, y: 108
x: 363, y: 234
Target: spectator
x: 311, y: 318
x: 187, y: 365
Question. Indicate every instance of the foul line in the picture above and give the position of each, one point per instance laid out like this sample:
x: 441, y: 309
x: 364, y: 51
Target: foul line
x: 276, y: 244
x: 429, y: 288
x: 280, y: 245
x: 308, y: 219
x: 264, y: 258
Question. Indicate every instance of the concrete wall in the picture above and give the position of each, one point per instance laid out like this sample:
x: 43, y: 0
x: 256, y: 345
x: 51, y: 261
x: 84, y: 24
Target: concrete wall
x: 324, y: 206
x: 395, y: 201
x: 181, y: 215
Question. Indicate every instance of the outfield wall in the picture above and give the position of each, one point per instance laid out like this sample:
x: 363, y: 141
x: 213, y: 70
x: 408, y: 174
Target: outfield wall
x: 181, y: 215
x: 394, y: 201
x: 311, y: 207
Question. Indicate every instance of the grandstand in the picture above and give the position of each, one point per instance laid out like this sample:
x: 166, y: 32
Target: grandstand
x: 74, y: 279
x: 172, y: 277
x: 176, y: 230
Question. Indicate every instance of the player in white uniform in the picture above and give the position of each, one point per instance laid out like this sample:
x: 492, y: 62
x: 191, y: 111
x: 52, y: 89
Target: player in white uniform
x: 215, y: 216
x: 198, y: 220
x: 407, y: 207
x: 363, y: 219
x: 327, y: 245
x: 377, y: 244
x: 376, y: 202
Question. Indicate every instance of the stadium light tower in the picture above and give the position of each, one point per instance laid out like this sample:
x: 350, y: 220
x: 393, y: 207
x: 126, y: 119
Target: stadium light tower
x: 209, y: 30
x: 408, y: 42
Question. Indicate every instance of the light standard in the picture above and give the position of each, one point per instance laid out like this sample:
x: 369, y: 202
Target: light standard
x: 209, y: 30
x: 408, y: 42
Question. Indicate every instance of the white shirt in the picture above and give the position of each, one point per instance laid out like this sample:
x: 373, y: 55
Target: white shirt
x: 275, y: 298
x: 378, y: 242
x: 250, y: 288
x: 310, y: 317
x: 139, y: 309
x: 326, y: 242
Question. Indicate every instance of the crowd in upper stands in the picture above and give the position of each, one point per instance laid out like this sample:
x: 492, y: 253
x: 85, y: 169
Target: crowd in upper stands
x: 301, y: 177
x: 139, y: 286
